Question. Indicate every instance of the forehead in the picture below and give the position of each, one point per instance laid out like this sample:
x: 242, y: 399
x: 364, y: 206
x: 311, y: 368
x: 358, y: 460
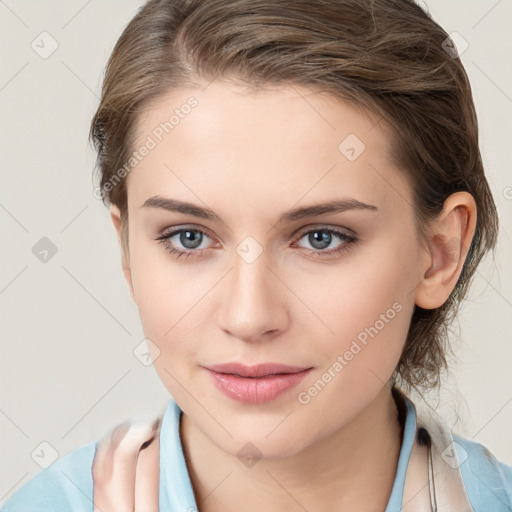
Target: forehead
x: 288, y: 140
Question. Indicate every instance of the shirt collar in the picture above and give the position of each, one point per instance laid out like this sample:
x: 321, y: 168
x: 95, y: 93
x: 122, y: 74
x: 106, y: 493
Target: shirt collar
x: 397, y: 491
x: 176, y: 492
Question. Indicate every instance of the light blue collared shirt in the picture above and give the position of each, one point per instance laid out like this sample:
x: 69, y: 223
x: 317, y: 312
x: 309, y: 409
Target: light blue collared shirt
x: 67, y: 484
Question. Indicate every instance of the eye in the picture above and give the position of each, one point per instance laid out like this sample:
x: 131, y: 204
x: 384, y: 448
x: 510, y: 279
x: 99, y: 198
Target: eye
x: 322, y: 237
x: 189, y: 238
x: 192, y: 241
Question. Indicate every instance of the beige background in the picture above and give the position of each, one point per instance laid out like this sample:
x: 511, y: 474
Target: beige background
x: 68, y: 326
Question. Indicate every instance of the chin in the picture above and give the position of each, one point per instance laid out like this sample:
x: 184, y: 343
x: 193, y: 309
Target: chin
x: 247, y: 446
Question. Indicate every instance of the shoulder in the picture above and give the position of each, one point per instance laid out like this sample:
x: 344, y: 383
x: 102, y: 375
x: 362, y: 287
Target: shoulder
x: 66, y: 485
x: 488, y: 481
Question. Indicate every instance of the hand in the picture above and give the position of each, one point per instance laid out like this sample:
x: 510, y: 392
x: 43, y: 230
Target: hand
x: 126, y: 469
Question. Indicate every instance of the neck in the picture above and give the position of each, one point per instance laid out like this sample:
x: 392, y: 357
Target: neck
x: 334, y: 473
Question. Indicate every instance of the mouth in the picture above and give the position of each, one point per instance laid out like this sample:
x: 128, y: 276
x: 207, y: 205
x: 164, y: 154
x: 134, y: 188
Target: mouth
x: 259, y: 370
x: 256, y: 384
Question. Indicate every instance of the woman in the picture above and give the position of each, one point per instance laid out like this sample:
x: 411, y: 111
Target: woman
x: 300, y: 201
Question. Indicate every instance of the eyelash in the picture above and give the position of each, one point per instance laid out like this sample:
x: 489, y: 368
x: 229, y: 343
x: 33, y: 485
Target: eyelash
x: 348, y: 240
x: 178, y: 253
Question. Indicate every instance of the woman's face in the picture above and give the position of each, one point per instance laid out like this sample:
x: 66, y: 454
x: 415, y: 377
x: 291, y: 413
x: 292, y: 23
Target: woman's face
x: 260, y: 281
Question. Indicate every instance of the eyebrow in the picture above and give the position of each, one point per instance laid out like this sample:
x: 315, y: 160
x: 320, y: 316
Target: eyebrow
x: 333, y: 206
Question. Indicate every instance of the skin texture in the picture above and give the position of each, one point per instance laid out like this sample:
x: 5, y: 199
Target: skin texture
x: 250, y: 157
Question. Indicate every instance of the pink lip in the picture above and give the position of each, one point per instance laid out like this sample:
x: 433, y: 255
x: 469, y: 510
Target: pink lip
x: 256, y: 384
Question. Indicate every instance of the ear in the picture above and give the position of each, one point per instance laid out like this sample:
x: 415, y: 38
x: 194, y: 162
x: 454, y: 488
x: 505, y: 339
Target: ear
x: 115, y: 215
x: 449, y: 240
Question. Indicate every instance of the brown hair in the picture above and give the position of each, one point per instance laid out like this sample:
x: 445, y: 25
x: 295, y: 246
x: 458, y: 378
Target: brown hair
x: 387, y: 55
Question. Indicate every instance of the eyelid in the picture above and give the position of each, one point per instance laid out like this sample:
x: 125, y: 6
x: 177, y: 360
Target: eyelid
x: 170, y: 231
x: 347, y: 240
x: 347, y: 231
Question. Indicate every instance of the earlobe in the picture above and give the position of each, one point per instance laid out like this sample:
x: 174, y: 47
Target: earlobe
x: 115, y: 215
x: 451, y: 235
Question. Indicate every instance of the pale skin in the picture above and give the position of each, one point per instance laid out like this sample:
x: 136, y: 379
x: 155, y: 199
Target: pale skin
x: 250, y: 158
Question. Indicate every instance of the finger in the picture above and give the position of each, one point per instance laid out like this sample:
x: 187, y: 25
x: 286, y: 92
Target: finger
x: 102, y: 468
x: 103, y: 458
x: 147, y: 477
x: 114, y: 467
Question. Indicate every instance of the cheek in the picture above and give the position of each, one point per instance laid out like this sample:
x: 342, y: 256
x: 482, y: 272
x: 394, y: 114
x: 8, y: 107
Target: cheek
x: 168, y: 303
x: 352, y: 295
x: 368, y: 314
x: 165, y: 295
x: 365, y: 307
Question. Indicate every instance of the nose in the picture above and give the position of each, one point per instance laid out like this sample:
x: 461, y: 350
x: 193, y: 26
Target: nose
x: 253, y: 305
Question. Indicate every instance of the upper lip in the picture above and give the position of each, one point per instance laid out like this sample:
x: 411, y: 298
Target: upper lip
x: 258, y: 370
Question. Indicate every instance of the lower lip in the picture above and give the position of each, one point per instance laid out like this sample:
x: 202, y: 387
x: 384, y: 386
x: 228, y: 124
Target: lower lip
x: 256, y: 390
